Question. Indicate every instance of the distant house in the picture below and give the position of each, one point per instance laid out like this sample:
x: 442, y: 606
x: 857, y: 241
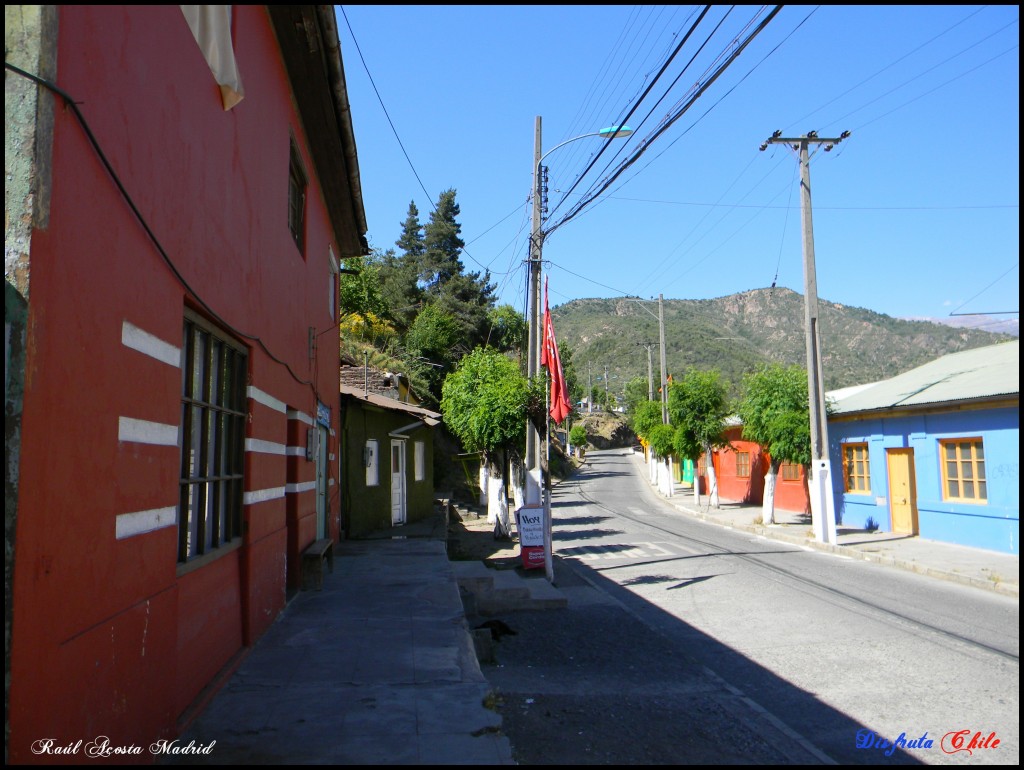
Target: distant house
x: 387, y: 460
x: 935, y: 451
x: 740, y: 469
x: 182, y: 183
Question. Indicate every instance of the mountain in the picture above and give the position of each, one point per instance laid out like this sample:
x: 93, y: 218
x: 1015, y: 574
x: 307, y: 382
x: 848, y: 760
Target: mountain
x: 737, y: 333
x: 986, y: 322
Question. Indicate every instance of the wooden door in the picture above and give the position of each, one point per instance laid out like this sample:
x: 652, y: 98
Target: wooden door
x: 902, y: 490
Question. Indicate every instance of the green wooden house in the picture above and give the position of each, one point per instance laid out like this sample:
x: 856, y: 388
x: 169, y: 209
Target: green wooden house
x: 387, y: 461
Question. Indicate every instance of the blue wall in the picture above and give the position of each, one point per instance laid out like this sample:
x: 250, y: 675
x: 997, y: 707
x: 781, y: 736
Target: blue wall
x: 994, y: 525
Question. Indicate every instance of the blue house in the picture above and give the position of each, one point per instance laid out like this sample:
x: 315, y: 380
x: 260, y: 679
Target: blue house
x: 934, y: 451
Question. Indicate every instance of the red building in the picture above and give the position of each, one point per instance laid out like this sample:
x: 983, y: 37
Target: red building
x: 740, y: 470
x: 186, y: 183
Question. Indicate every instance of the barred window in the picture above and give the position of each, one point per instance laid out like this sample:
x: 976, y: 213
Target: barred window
x: 790, y: 472
x: 856, y: 470
x: 212, y: 441
x: 963, y: 470
x: 743, y: 465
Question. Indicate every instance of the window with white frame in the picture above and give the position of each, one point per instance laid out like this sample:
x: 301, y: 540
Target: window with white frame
x: 212, y: 440
x: 371, y: 460
x: 419, y: 460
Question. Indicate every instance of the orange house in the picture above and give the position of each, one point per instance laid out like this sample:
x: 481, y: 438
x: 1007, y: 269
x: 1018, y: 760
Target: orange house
x: 740, y: 470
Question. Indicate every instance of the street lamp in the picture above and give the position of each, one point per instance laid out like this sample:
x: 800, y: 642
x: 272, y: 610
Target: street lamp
x: 536, y: 477
x: 533, y: 481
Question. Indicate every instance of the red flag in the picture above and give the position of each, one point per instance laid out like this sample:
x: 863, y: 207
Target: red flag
x: 560, y: 406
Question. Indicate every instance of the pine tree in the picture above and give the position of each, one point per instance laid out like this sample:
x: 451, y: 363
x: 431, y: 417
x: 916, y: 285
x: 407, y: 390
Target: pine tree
x: 468, y: 297
x: 411, y: 240
x: 442, y: 244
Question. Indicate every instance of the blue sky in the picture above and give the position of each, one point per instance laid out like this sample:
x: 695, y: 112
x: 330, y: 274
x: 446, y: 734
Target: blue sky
x: 916, y: 214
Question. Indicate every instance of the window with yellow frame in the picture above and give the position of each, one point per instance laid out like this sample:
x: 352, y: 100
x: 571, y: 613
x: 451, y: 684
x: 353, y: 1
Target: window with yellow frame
x: 963, y: 470
x: 856, y: 469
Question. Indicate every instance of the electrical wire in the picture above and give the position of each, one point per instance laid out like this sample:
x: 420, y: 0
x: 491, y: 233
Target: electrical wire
x: 667, y: 122
x: 997, y: 280
x: 395, y: 131
x: 69, y: 102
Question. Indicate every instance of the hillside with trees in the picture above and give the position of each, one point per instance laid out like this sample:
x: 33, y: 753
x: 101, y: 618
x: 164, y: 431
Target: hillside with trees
x: 738, y: 333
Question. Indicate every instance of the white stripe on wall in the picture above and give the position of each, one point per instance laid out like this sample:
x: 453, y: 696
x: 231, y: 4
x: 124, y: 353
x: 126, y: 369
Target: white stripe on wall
x: 296, y: 451
x: 140, y: 522
x: 262, y: 495
x: 146, y: 432
x: 265, y: 398
x: 264, y: 447
x: 135, y: 338
x: 330, y: 482
x: 305, y: 486
x: 295, y: 414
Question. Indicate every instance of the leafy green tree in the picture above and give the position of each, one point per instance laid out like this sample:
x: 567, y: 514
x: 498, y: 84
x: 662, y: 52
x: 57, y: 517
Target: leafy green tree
x: 508, y: 330
x: 359, y: 288
x: 386, y: 285
x: 470, y: 300
x: 578, y: 437
x: 637, y: 391
x: 698, y: 406
x: 646, y: 417
x: 433, y: 341
x: 483, y: 403
x: 775, y: 411
x: 660, y: 439
x: 467, y: 296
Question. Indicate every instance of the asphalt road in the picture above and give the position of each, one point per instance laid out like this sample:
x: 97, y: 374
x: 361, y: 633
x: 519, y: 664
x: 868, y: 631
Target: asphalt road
x: 687, y: 643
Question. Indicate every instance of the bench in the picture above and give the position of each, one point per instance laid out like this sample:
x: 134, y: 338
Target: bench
x: 313, y: 559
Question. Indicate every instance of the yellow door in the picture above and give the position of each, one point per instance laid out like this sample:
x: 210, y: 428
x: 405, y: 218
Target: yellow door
x: 902, y: 490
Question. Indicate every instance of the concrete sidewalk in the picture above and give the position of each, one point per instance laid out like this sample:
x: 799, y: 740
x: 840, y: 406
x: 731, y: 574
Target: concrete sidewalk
x: 377, y: 668
x: 989, y: 570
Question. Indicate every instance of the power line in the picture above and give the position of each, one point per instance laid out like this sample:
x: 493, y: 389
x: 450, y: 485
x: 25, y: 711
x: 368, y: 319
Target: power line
x: 668, y: 121
x: 395, y: 131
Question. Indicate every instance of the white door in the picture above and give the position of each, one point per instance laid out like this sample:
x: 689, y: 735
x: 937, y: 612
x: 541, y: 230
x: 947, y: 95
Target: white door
x: 322, y: 474
x: 397, y: 482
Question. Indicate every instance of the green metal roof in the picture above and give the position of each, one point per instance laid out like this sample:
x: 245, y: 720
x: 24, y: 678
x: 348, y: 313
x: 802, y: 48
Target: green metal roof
x: 970, y: 375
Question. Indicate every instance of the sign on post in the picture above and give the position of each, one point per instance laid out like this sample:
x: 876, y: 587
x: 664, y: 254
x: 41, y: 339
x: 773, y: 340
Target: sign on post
x: 530, y: 523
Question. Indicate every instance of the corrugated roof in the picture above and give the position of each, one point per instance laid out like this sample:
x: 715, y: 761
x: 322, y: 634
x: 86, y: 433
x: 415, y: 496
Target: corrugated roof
x: 970, y: 375
x: 429, y: 417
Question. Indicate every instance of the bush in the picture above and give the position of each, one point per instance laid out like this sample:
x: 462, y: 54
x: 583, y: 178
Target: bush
x: 578, y: 436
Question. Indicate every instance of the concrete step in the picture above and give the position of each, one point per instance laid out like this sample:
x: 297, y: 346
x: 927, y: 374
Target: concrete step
x: 498, y: 591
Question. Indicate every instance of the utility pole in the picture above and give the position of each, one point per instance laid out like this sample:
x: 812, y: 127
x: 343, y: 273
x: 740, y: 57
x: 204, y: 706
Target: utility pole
x: 590, y: 390
x: 650, y: 368
x: 823, y: 517
x: 606, y: 385
x: 533, y: 470
x: 664, y: 371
